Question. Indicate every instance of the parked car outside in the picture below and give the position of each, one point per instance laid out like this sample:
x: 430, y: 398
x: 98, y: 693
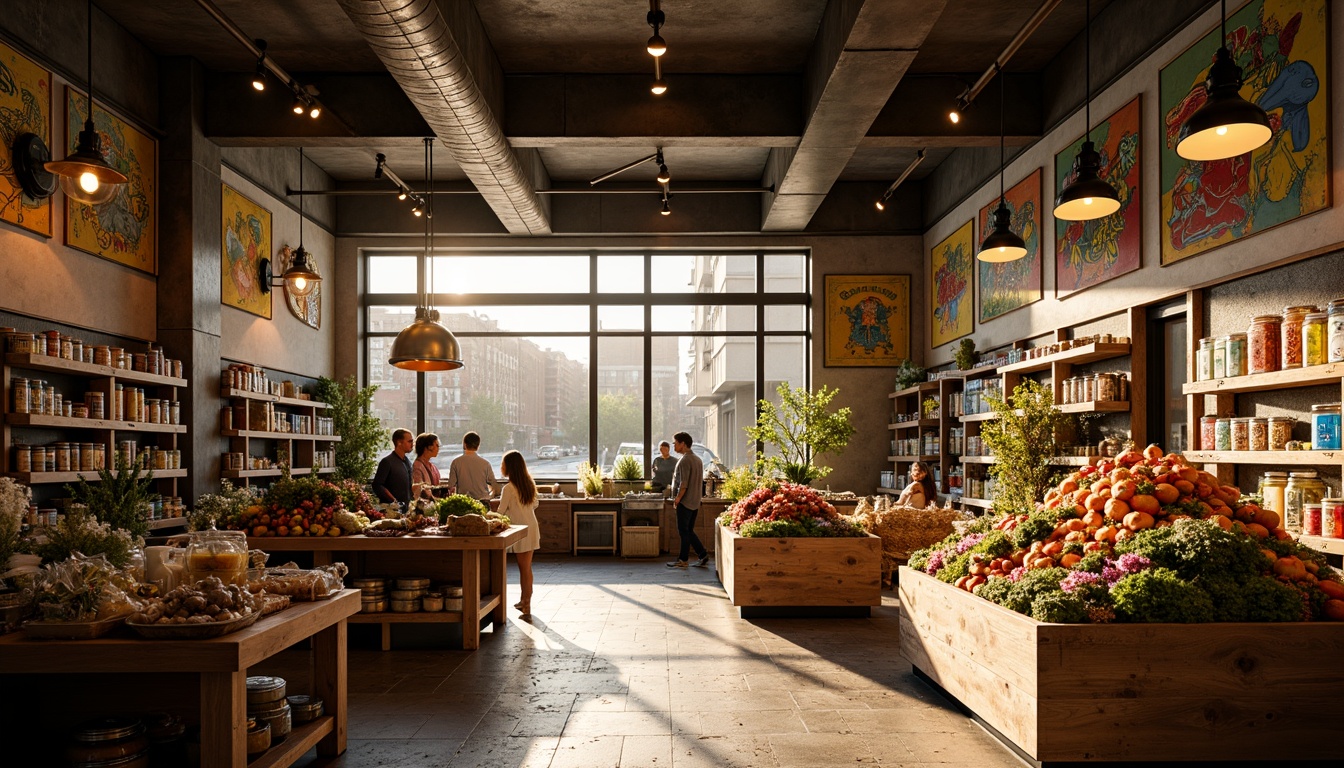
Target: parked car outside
x: 713, y: 467
x: 548, y: 452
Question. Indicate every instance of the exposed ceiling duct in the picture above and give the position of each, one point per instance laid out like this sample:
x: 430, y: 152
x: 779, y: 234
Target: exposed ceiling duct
x: 418, y: 47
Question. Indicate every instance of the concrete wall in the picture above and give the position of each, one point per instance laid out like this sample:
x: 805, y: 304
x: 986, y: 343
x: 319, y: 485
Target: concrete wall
x: 862, y: 389
x: 1312, y: 235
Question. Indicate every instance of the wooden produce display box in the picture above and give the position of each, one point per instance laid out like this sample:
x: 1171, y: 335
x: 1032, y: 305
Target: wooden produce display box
x: 1129, y: 692
x: 764, y: 575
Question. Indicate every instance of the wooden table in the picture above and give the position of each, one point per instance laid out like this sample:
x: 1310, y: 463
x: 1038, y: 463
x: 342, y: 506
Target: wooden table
x: 484, y: 596
x: 221, y: 665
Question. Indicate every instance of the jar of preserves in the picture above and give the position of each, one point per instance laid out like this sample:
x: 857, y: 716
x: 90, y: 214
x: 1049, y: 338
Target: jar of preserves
x: 1334, y: 326
x: 1235, y: 357
x: 1208, y: 433
x: 1263, y: 348
x: 1219, y: 365
x: 1204, y: 360
x: 1314, y: 345
x: 62, y: 457
x: 1313, y: 522
x: 1108, y: 387
x: 218, y: 553
x: 21, y: 395
x: 1259, y: 434
x: 1325, y: 427
x: 1332, y: 518
x: 37, y: 396
x: 1241, y: 434
x: 23, y: 458
x: 1304, y: 487
x: 1290, y: 343
x: 1272, y: 487
x: 1223, y: 434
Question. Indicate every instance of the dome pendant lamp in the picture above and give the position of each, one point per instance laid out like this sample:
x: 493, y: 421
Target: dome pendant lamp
x: 1227, y: 125
x: 85, y: 175
x: 425, y: 344
x: 300, y: 279
x: 1088, y: 196
x: 1002, y: 244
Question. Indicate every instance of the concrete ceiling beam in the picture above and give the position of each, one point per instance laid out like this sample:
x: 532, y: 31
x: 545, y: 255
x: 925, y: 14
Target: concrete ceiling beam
x: 862, y: 50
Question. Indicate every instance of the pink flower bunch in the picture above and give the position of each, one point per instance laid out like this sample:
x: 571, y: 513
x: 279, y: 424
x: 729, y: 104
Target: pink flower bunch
x: 1077, y: 579
x: 787, y: 502
x: 969, y: 541
x: 936, y: 562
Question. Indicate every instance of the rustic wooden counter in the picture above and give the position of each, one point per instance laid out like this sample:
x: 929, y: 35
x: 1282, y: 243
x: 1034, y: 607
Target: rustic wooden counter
x: 221, y: 665
x: 483, y: 591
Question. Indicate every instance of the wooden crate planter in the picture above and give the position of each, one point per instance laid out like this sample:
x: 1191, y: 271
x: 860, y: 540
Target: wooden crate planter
x: 1129, y: 692
x: 842, y: 573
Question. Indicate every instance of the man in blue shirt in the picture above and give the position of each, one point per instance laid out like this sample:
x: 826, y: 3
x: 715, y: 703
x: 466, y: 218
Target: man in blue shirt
x: 392, y: 481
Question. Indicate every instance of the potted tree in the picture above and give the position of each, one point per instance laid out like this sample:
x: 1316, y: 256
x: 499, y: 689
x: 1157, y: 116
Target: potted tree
x: 801, y: 428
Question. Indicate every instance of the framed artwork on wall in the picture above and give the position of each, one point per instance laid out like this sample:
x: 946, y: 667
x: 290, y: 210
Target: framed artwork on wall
x: 1281, y: 47
x: 246, y: 240
x: 25, y: 107
x: 867, y: 320
x: 952, y: 285
x: 1088, y: 253
x: 308, y: 309
x: 124, y: 229
x: 1015, y: 284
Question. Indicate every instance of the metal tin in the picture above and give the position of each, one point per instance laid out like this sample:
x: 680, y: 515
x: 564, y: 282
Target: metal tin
x: 23, y: 458
x: 407, y: 594
x: 304, y: 709
x: 263, y: 689
x: 1272, y: 488
x: 412, y: 582
x: 405, y: 606
x: 21, y: 396
x: 258, y: 736
x: 431, y: 603
x: 378, y: 605
x: 1325, y: 427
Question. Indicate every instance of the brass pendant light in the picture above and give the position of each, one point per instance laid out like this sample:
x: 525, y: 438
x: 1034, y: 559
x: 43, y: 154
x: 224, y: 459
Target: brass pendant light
x: 425, y: 344
x: 300, y: 279
x: 85, y: 175
x: 1002, y: 244
x: 1227, y: 125
x: 1089, y: 196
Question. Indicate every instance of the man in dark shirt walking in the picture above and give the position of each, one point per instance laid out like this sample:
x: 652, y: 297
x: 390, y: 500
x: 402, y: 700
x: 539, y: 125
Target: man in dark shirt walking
x: 392, y: 481
x: 687, y: 485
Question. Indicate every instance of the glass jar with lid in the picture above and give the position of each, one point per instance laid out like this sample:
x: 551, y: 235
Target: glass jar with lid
x: 1219, y: 364
x: 1280, y: 432
x: 1208, y: 433
x: 1241, y: 434
x: 1304, y: 487
x: 1235, y: 354
x: 1314, y: 339
x: 217, y: 553
x: 1290, y: 344
x: 1334, y: 322
x: 1272, y: 487
x: 1204, y: 359
x: 1325, y: 433
x: 1263, y: 345
x: 1259, y: 434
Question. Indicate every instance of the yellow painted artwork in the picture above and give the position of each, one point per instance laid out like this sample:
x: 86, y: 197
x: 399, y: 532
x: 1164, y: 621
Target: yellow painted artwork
x: 867, y: 320
x: 246, y: 240
x: 124, y: 229
x: 25, y: 107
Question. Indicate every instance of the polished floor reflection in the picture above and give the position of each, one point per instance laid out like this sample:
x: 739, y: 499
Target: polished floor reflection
x: 628, y: 663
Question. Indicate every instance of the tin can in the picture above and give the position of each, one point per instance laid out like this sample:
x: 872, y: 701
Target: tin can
x: 53, y: 343
x: 1273, y: 485
x: 175, y: 412
x: 23, y: 458
x: 1223, y: 434
x: 62, y: 457
x: 95, y: 401
x: 50, y: 401
x: 1219, y: 366
x: 152, y: 410
x: 1313, y: 522
x: 102, y: 355
x: 1332, y: 518
x: 88, y: 456
x: 21, y: 395
x: 1325, y: 432
x: 1208, y: 433
x: 37, y: 396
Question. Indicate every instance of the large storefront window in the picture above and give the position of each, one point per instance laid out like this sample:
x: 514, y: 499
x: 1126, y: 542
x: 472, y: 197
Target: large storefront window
x: 566, y: 368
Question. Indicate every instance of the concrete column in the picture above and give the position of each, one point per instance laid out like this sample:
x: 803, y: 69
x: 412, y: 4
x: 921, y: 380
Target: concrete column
x: 189, y: 275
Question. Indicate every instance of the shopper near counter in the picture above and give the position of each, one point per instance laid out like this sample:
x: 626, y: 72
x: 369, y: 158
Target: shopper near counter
x: 687, y: 485
x: 518, y: 502
x: 663, y: 466
x: 469, y: 473
x: 424, y: 475
x: 392, y: 481
x: 921, y: 492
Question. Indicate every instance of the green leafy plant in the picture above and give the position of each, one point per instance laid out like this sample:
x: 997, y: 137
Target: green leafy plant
x: 908, y: 374
x: 1022, y: 439
x: 590, y: 478
x: 740, y: 482
x: 628, y: 468
x: 362, y: 435
x: 929, y: 407
x: 212, y: 510
x: 120, y: 498
x: 460, y: 504
x: 801, y: 428
x: 966, y: 354
x: 79, y: 531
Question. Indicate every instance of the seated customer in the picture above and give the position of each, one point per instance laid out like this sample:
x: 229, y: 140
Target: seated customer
x: 921, y: 492
x: 470, y: 474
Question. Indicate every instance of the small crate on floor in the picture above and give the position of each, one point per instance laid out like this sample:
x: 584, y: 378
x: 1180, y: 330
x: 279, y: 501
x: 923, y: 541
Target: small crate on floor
x: 639, y: 541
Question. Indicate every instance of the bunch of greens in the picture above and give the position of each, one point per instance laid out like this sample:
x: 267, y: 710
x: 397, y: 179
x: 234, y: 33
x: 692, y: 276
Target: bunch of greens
x: 908, y: 374
x: 459, y: 504
x: 740, y: 482
x: 121, y: 498
x: 213, y: 510
x: 628, y: 468
x: 289, y: 493
x: 79, y: 532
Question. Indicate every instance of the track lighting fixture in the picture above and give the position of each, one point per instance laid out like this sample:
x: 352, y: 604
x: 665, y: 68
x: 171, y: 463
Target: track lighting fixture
x: 298, y: 107
x: 667, y: 209
x: 259, y: 77
x: 656, y: 46
x: 402, y: 194
x: 379, y: 159
x: 85, y: 175
x: 1088, y: 196
x: 1002, y: 244
x: 416, y: 211
x: 881, y: 204
x: 954, y: 115
x: 663, y: 176
x: 659, y: 86
x: 314, y: 110
x: 1227, y: 125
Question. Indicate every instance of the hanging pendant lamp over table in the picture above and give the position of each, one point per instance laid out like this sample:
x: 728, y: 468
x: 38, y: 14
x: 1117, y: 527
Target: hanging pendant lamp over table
x: 85, y: 174
x: 1002, y: 244
x: 300, y: 279
x: 1088, y: 196
x: 425, y: 344
x: 1227, y: 125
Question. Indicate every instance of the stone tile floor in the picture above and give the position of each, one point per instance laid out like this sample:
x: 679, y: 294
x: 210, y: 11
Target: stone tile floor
x: 628, y: 663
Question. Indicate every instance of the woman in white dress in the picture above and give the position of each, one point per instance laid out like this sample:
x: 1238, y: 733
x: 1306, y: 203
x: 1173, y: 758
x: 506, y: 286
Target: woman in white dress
x: 921, y: 492
x: 518, y: 502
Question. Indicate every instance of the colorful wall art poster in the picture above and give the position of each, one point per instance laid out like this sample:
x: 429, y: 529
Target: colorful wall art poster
x: 246, y: 229
x: 952, y: 286
x: 25, y: 108
x: 1091, y: 252
x: 1014, y: 284
x: 867, y: 320
x: 1281, y: 47
x: 124, y: 229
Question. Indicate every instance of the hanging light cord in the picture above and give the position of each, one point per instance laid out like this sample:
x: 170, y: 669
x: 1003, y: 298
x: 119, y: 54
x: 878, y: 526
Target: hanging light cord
x: 1002, y: 107
x: 301, y: 217
x: 1087, y: 37
x: 1222, y: 21
x: 429, y: 216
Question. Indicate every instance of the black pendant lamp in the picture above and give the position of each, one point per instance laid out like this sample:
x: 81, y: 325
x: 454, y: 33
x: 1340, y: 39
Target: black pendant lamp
x: 1227, y: 125
x: 1002, y: 244
x: 85, y: 175
x: 1089, y: 196
x: 425, y: 344
x: 300, y: 279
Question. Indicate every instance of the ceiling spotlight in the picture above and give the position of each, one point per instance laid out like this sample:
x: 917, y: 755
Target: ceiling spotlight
x: 259, y: 78
x: 380, y: 158
x: 667, y: 210
x: 881, y: 205
x: 416, y: 211
x: 659, y: 87
x: 401, y: 195
x: 657, y: 46
x: 954, y: 116
x: 299, y: 107
x: 314, y: 110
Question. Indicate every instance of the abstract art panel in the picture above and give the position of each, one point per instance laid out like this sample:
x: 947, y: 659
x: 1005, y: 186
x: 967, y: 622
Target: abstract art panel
x: 1091, y: 252
x: 1014, y: 284
x: 1281, y: 46
x: 246, y: 229
x: 952, y: 286
x: 25, y: 107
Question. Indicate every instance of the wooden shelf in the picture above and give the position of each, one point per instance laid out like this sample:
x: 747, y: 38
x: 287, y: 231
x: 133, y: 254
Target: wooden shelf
x: 1088, y: 353
x: 978, y: 460
x: 238, y: 474
x: 301, y: 739
x: 1096, y: 406
x: 80, y: 368
x: 975, y: 373
x: 35, y: 478
x: 1322, y: 544
x: 1313, y: 376
x: 979, y: 417
x: 914, y: 423
x: 277, y: 399
x: 279, y: 435
x: 419, y: 617
x: 1308, y: 458
x: 167, y: 522
x: 40, y: 420
x: 927, y: 386
x: 981, y: 503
